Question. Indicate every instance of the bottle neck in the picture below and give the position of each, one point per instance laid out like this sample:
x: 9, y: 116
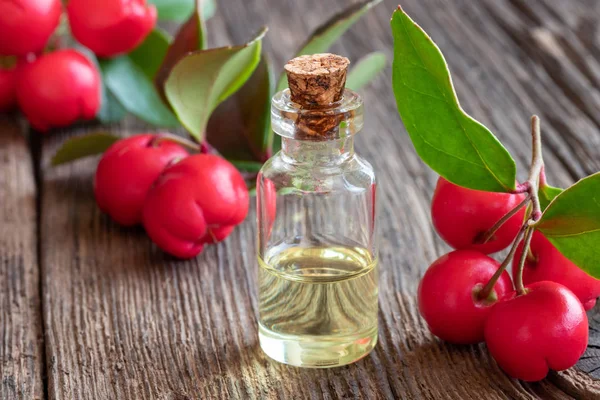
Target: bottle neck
x: 317, y: 153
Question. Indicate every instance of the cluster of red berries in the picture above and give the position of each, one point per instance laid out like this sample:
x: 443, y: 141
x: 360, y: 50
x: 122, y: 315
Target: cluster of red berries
x: 528, y: 334
x: 55, y: 89
x: 184, y: 201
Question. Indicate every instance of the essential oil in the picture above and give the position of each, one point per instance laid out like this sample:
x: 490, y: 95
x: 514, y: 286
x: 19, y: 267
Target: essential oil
x: 317, y: 243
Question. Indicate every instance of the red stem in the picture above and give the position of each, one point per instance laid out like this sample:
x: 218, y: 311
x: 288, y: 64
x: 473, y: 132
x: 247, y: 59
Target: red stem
x: 492, y: 231
x: 487, y: 289
x: 206, y: 148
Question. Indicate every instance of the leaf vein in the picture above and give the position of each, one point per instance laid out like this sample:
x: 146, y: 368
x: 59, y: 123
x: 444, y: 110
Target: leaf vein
x: 458, y: 119
x: 572, y: 234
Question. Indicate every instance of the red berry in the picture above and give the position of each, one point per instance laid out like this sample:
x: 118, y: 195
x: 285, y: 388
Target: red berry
x: 111, y: 27
x: 268, y: 198
x: 8, y: 96
x: 461, y: 216
x: 126, y: 172
x: 550, y: 265
x: 448, y: 295
x: 59, y: 88
x: 196, y: 201
x: 547, y: 328
x: 26, y: 25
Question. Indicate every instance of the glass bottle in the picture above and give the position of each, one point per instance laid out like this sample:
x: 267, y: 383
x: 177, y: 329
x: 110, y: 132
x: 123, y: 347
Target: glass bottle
x: 317, y: 242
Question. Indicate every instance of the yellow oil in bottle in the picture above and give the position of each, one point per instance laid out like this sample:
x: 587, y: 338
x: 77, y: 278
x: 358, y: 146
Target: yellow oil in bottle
x: 318, y: 305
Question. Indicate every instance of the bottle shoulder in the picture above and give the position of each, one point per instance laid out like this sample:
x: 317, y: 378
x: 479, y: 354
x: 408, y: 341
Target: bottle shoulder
x: 353, y: 174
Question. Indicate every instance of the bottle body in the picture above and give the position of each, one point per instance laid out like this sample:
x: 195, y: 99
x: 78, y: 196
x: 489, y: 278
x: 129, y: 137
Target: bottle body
x: 317, y: 253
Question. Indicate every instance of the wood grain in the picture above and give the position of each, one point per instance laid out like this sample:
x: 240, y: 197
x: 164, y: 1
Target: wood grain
x: 124, y: 321
x: 21, y: 348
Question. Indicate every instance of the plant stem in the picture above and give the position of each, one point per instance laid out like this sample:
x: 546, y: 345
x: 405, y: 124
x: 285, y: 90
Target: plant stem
x: 175, y: 139
x: 530, y: 257
x: 536, y: 174
x: 537, y: 164
x: 492, y: 231
x: 487, y: 289
x: 519, y: 277
x: 531, y: 186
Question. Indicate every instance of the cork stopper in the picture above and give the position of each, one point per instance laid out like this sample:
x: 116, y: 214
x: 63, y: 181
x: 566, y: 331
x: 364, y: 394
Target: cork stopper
x: 317, y: 80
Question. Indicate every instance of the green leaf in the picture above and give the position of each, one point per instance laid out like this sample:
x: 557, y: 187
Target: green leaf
x: 323, y: 37
x: 572, y: 223
x: 200, y: 81
x: 546, y: 194
x: 180, y: 10
x: 135, y: 91
x: 246, y: 166
x: 452, y: 143
x: 248, y: 136
x: 190, y: 37
x: 365, y: 70
x: 83, y: 146
x: 150, y: 54
x: 328, y: 33
x: 111, y: 111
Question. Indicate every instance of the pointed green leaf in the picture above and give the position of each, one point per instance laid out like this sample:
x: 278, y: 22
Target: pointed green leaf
x: 452, y: 143
x: 150, y: 54
x: 83, y: 146
x: 546, y: 194
x: 327, y: 34
x: 248, y: 136
x: 190, y: 37
x: 135, y: 91
x: 111, y: 110
x: 180, y: 10
x: 200, y: 81
x: 365, y: 70
x: 572, y: 223
x: 246, y: 166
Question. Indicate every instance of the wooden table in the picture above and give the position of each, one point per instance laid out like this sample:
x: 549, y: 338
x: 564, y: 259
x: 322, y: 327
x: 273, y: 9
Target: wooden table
x: 90, y: 310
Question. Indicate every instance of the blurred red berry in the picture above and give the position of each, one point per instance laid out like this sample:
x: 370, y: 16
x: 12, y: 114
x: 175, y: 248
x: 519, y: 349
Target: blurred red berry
x: 196, y: 201
x: 8, y: 96
x: 111, y: 27
x: 59, y: 88
x: 26, y: 25
x: 266, y: 202
x: 126, y: 173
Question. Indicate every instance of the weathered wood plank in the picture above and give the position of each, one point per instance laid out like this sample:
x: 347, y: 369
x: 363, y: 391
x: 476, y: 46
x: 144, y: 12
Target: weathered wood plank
x: 123, y: 321
x: 21, y: 339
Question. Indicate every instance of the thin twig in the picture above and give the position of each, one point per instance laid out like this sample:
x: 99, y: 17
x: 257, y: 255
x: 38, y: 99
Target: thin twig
x: 537, y: 163
x: 531, y: 186
x: 487, y: 289
x: 492, y: 231
x: 519, y: 276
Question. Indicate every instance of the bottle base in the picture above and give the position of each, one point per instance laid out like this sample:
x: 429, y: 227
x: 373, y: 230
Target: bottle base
x: 316, y: 351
